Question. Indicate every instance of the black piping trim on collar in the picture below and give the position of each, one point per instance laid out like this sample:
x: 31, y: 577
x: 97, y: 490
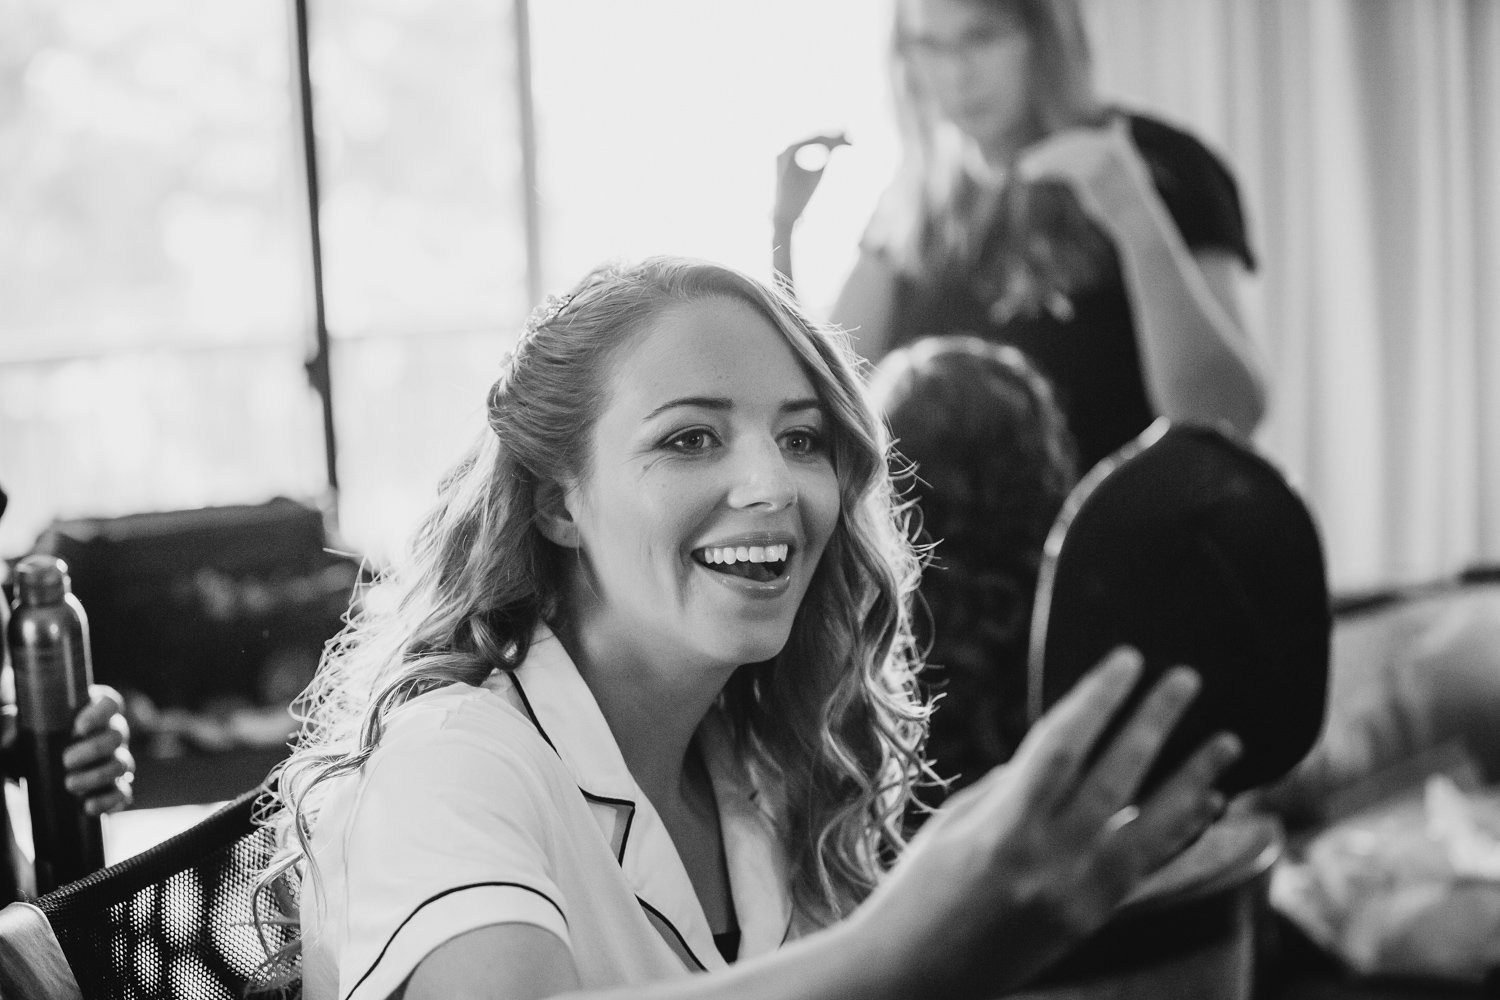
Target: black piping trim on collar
x: 531, y: 712
x: 629, y: 808
x: 434, y: 898
x: 627, y: 804
x: 625, y: 837
x: 675, y: 932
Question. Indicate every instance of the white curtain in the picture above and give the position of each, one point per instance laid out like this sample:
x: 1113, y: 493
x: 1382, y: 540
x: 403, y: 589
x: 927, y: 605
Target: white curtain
x: 1366, y: 138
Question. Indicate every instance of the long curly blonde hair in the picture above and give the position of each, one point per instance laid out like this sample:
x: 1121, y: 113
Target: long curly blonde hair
x: 830, y: 729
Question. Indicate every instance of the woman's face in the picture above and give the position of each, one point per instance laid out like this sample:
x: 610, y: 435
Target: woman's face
x: 710, y: 494
x: 970, y: 57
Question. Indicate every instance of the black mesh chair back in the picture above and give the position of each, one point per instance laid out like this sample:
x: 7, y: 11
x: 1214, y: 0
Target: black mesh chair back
x: 176, y: 921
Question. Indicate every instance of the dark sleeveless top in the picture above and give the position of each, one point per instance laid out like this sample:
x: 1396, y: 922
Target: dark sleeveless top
x: 1088, y: 348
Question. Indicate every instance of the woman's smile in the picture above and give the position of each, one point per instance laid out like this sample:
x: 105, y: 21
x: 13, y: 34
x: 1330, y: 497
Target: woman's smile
x: 759, y: 565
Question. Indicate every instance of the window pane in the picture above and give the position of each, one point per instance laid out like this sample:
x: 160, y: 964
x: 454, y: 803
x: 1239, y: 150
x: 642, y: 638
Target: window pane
x: 151, y: 252
x: 419, y: 165
x: 152, y: 430
x: 659, y: 121
x: 408, y: 407
x: 423, y: 239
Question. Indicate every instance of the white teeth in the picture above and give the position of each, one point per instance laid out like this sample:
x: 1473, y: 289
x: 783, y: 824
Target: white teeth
x: 730, y: 554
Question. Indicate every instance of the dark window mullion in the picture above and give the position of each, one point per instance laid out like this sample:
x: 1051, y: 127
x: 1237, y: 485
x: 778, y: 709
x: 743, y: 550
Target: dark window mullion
x: 319, y: 369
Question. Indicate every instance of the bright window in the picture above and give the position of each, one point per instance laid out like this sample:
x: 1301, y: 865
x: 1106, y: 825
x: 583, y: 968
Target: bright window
x: 151, y: 267
x: 659, y: 121
x: 423, y: 240
x: 156, y: 292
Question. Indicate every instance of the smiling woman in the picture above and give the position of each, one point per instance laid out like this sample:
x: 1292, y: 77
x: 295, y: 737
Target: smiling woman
x: 713, y: 447
x: 641, y: 704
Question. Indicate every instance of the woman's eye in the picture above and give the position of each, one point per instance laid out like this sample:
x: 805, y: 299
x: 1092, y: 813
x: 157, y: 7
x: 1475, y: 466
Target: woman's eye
x: 694, y: 440
x: 804, y: 442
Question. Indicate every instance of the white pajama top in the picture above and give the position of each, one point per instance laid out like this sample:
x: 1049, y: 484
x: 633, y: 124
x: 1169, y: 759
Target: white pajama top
x: 510, y: 803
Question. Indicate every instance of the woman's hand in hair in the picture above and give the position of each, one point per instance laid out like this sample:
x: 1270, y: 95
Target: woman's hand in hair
x: 1197, y: 358
x: 1017, y: 869
x: 1099, y: 163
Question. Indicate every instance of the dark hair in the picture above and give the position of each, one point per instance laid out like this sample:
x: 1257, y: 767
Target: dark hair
x: 990, y: 464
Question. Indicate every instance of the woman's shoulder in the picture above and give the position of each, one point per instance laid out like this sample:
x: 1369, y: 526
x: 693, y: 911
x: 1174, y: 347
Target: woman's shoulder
x: 487, y: 714
x: 450, y: 740
x: 1195, y: 183
x: 1156, y: 135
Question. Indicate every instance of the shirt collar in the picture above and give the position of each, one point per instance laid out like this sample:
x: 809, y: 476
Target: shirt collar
x: 565, y: 712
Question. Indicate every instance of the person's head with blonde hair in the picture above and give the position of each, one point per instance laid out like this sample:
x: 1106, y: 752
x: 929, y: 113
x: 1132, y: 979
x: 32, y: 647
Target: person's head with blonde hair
x: 828, y: 724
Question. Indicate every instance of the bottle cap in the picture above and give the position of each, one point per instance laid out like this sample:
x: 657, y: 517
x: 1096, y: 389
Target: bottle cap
x: 41, y: 579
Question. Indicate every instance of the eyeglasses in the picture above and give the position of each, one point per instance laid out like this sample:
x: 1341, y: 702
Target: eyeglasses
x: 967, y: 47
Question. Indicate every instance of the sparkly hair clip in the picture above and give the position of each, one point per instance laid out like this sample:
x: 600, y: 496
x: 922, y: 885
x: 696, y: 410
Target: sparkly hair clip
x: 545, y: 313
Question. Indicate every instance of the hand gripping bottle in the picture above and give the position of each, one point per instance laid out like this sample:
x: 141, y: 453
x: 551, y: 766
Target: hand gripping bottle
x: 48, y: 636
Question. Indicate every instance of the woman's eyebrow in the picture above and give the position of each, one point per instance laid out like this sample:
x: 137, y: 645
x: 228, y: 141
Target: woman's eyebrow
x: 795, y: 405
x: 723, y: 403
x: 701, y: 402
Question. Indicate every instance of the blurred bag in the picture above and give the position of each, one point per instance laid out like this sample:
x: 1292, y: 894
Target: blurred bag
x: 213, y: 603
x: 1408, y: 887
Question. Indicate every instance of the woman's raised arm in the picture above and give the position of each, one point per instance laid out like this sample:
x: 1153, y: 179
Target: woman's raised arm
x: 1004, y: 879
x: 865, y: 306
x: 1198, y: 361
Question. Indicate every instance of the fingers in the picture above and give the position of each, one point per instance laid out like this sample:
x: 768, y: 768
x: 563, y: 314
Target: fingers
x: 88, y: 781
x: 104, y: 702
x: 1056, y: 747
x: 102, y: 742
x: 828, y: 140
x: 101, y: 728
x: 92, y: 717
x: 106, y: 693
x: 119, y: 795
x: 811, y: 154
x: 1115, y: 777
x: 107, y: 787
x: 1072, y: 155
x: 1187, y: 802
x: 100, y: 766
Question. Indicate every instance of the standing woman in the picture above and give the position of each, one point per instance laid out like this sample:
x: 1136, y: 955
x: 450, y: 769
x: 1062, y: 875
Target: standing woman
x: 1106, y: 245
x: 635, y: 719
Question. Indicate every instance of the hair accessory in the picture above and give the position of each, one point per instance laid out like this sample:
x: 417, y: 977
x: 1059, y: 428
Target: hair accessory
x: 545, y: 313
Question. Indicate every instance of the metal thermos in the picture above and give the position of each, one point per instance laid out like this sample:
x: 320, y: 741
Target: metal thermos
x: 48, y: 636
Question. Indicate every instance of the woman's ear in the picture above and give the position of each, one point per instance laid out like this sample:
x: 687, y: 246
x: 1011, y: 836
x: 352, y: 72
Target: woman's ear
x: 553, y: 518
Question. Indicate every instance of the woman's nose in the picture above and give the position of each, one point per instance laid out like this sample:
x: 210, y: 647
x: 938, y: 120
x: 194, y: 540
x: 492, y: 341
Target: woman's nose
x: 763, y: 480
